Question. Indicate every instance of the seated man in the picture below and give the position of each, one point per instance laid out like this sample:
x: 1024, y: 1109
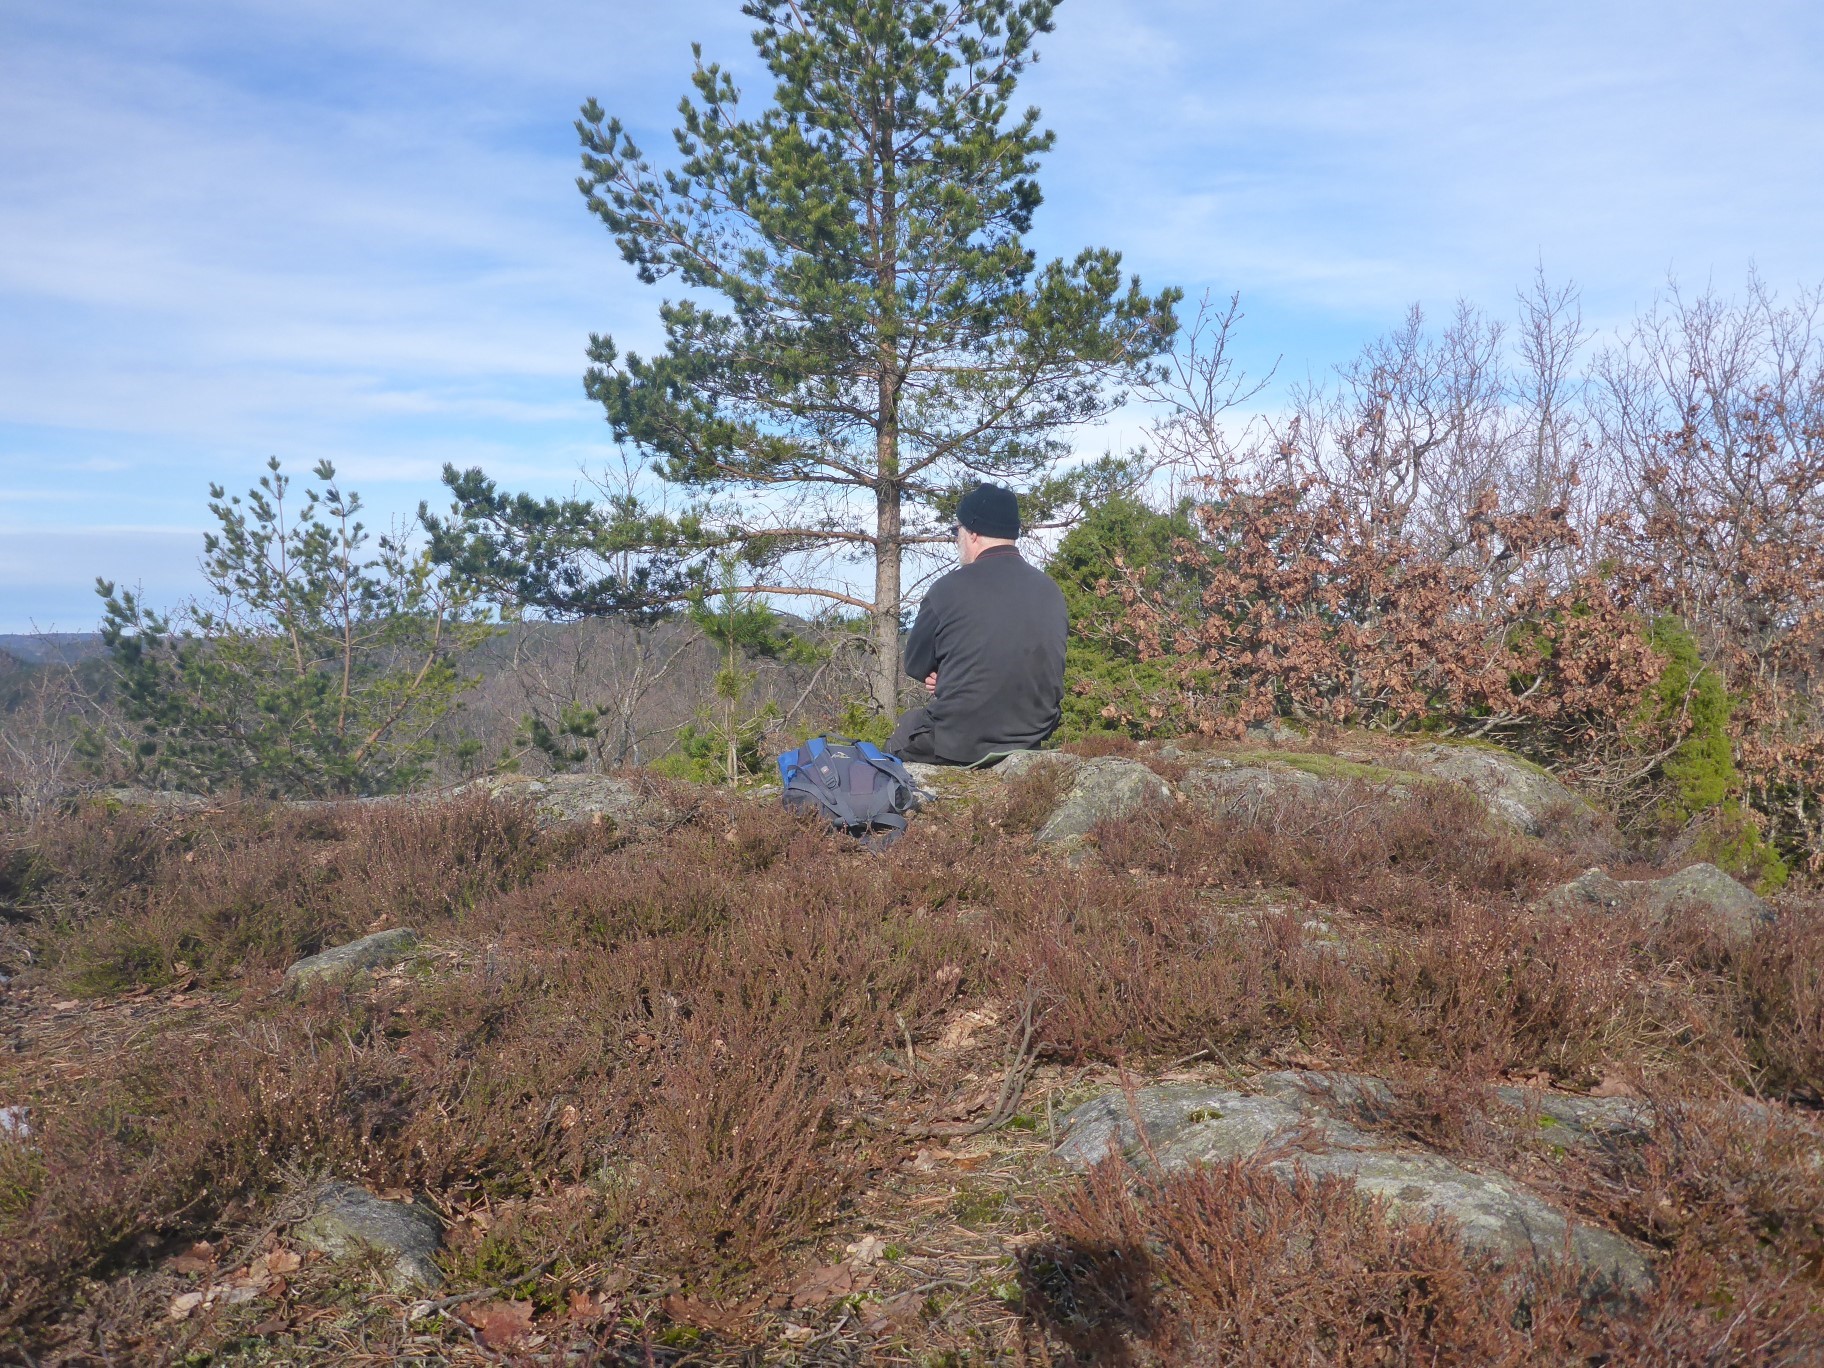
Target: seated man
x: 988, y: 644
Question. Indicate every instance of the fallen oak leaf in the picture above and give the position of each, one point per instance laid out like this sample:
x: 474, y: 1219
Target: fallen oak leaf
x: 272, y: 1325
x: 865, y: 1251
x: 689, y: 1311
x: 199, y: 1258
x: 501, y: 1324
x: 878, y: 1318
x: 183, y: 1304
x: 822, y: 1285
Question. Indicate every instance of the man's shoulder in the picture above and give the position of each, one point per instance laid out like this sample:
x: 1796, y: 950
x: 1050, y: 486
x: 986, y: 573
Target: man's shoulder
x: 944, y: 585
x: 1019, y: 568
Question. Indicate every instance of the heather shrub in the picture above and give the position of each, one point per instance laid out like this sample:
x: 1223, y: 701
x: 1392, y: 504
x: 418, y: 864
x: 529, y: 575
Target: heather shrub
x: 1228, y: 1264
x: 666, y: 1054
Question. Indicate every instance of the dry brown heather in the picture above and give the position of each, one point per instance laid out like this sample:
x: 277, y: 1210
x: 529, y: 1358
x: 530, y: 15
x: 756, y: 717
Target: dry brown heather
x: 658, y: 1085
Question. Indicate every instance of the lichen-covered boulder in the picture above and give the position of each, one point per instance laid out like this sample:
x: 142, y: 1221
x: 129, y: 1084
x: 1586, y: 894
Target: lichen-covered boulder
x: 378, y: 951
x: 1517, y: 792
x: 350, y: 1222
x: 1300, y: 1122
x: 1594, y: 888
x: 1101, y: 790
x: 1731, y: 908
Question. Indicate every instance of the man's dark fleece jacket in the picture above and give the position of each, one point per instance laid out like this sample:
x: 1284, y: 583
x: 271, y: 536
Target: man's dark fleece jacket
x: 994, y: 631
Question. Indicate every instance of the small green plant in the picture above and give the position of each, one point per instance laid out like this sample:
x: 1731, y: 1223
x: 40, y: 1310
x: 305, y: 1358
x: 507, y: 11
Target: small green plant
x: 978, y: 1205
x: 725, y: 740
x: 1704, y: 784
x: 316, y: 668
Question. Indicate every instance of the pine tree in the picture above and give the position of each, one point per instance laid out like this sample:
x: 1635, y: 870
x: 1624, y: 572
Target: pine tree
x: 316, y: 668
x: 864, y: 336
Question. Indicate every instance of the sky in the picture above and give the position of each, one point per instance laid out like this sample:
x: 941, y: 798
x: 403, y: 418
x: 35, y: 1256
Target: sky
x: 235, y: 229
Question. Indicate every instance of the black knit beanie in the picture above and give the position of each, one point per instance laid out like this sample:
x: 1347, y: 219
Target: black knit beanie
x: 990, y: 511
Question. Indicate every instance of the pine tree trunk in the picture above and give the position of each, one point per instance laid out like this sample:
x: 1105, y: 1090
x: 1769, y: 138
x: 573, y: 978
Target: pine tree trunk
x: 886, y: 599
x: 888, y: 493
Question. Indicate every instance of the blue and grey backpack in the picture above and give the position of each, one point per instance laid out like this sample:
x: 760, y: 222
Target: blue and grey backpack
x: 860, y: 788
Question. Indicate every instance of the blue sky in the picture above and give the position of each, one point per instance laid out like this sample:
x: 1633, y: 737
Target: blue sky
x: 231, y: 229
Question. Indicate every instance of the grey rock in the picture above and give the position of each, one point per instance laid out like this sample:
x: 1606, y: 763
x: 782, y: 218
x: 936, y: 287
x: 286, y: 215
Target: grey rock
x: 1025, y: 762
x: 1162, y: 1121
x: 1732, y: 908
x: 1592, y: 888
x: 1519, y: 794
x: 1600, y: 1121
x: 166, y: 800
x: 377, y: 951
x: 1274, y: 731
x: 1238, y: 788
x: 1356, y: 1097
x: 1100, y: 790
x: 569, y: 799
x: 1729, y: 906
x: 350, y: 1222
x: 1293, y: 1125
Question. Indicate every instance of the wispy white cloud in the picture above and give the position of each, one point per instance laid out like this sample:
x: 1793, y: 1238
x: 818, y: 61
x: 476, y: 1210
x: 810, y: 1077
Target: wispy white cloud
x: 347, y: 230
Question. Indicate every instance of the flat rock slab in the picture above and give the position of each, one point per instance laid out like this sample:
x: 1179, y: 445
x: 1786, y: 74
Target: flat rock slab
x: 166, y: 799
x: 1729, y: 906
x: 1293, y: 1125
x: 1597, y: 1121
x: 1240, y: 788
x: 350, y: 1222
x: 568, y: 799
x: 378, y: 951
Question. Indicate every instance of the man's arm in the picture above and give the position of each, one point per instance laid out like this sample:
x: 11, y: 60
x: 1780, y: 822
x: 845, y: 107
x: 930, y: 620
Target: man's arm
x: 921, y: 642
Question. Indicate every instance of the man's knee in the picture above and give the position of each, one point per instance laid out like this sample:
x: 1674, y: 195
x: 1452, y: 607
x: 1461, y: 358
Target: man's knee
x: 911, y: 739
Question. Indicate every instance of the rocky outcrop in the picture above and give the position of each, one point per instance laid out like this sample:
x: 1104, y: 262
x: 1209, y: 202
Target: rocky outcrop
x: 557, y: 799
x: 1727, y: 905
x: 1232, y: 787
x: 402, y: 1237
x: 165, y: 800
x: 1311, y: 1122
x: 1518, y: 793
x: 381, y: 950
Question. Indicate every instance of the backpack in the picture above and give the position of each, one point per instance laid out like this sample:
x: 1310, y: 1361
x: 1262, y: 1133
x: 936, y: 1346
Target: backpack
x: 860, y: 788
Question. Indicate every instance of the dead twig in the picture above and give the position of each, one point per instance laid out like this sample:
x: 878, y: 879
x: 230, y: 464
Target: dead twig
x: 420, y: 1310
